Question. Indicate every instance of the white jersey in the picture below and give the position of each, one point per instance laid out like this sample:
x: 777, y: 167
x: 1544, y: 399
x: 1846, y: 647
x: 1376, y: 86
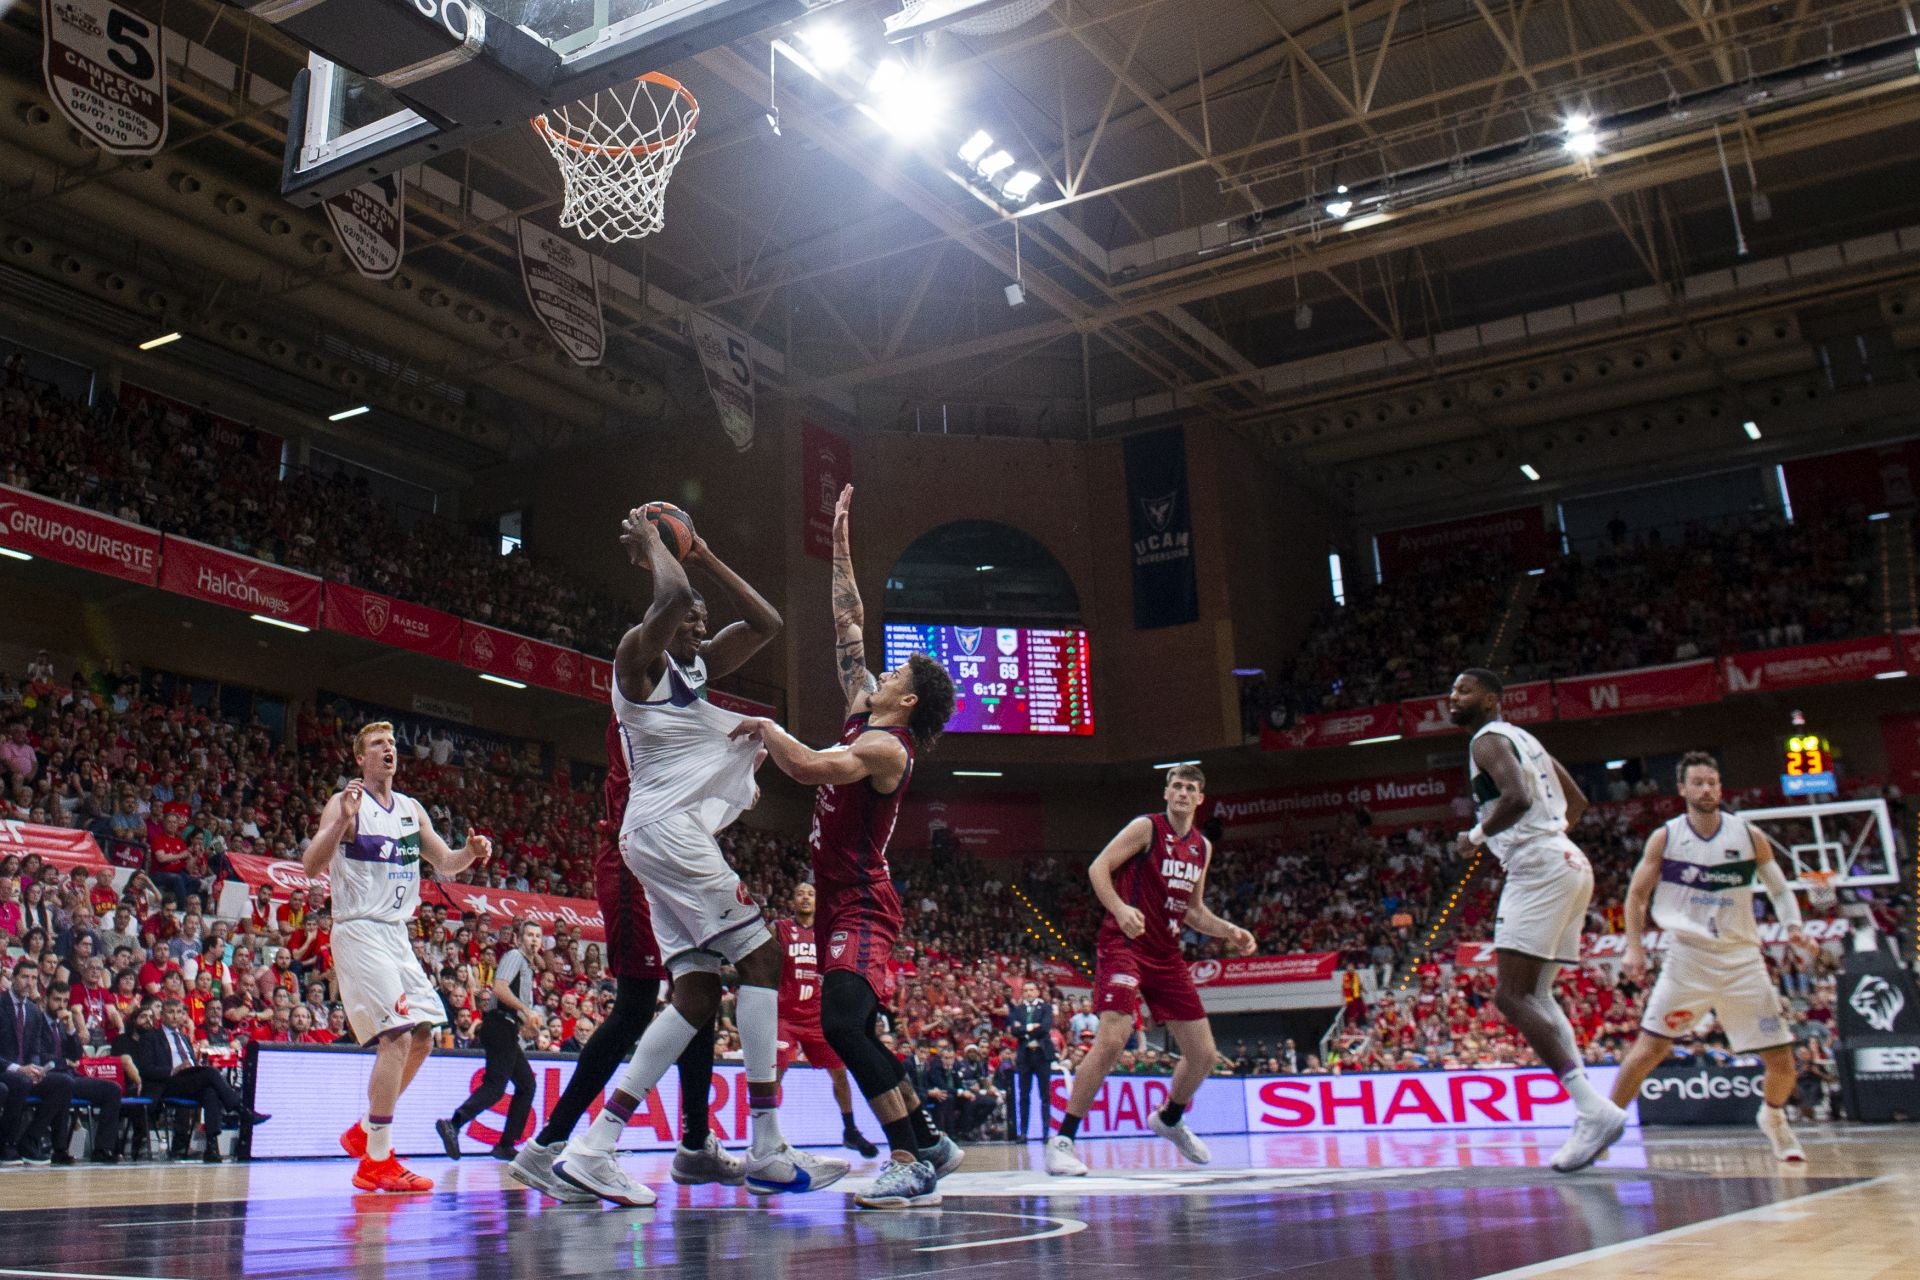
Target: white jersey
x: 376, y: 875
x: 1546, y: 815
x: 679, y: 758
x: 1705, y: 894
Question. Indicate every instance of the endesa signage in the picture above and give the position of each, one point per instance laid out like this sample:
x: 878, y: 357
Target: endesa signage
x: 1702, y: 1092
x: 207, y: 573
x: 73, y: 535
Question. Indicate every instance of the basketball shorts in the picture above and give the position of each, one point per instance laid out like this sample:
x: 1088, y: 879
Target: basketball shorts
x: 857, y: 931
x: 1732, y: 983
x: 805, y: 1038
x: 382, y: 985
x: 1123, y: 976
x: 1543, y: 904
x: 632, y: 952
x: 702, y: 914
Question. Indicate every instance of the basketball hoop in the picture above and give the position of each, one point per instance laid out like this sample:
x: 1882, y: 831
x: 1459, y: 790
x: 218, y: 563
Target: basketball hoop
x: 616, y: 150
x: 1821, y: 893
x: 981, y: 19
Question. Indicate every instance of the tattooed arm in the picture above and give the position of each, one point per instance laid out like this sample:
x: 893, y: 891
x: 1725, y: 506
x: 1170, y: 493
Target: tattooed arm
x: 849, y: 615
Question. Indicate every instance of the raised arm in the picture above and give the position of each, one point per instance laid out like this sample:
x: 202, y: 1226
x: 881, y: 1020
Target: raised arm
x: 729, y: 650
x: 641, y: 648
x: 1131, y: 842
x: 1646, y: 878
x: 876, y: 757
x: 849, y: 615
x: 1200, y: 917
x: 450, y: 862
x: 337, y: 822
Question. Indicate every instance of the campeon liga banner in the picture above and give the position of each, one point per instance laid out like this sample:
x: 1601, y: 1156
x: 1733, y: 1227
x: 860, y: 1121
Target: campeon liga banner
x: 106, y: 70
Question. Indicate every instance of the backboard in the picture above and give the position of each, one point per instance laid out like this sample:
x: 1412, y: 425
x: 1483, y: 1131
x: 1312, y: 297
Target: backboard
x: 1851, y: 838
x: 390, y: 83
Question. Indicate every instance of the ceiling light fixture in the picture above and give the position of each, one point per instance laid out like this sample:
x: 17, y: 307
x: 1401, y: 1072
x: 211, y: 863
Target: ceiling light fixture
x: 1021, y: 184
x: 278, y: 622
x: 978, y: 773
x: 1752, y: 429
x: 160, y: 341
x: 1001, y: 159
x: 829, y: 46
x: 1526, y: 469
x: 973, y: 148
x: 11, y: 554
x: 354, y: 412
x: 490, y: 678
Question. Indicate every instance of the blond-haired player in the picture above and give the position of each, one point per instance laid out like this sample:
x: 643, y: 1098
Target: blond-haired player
x: 370, y: 842
x: 1697, y: 875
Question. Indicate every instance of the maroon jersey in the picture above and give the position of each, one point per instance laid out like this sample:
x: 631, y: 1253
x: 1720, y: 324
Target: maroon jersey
x: 852, y: 824
x: 800, y: 976
x: 1158, y: 881
x: 625, y: 913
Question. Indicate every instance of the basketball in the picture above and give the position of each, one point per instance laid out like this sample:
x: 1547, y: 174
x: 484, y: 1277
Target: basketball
x: 675, y: 525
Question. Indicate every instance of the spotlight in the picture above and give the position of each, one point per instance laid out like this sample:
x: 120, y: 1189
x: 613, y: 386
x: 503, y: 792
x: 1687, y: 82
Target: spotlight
x: 1526, y: 469
x: 1001, y: 159
x: 973, y: 148
x: 1582, y: 141
x: 828, y: 45
x: 1021, y: 184
x: 1752, y: 429
x: 903, y: 103
x: 1339, y: 206
x: 1016, y: 294
x: 1303, y: 317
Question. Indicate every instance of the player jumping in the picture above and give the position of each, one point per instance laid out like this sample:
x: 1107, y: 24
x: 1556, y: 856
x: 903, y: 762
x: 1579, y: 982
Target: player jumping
x: 800, y: 1031
x: 1152, y: 879
x: 1527, y: 804
x: 861, y: 783
x: 370, y: 843
x: 688, y: 780
x: 1697, y: 873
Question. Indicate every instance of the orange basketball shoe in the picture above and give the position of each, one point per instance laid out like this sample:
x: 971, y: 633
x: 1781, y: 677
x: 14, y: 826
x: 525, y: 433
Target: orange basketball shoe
x: 389, y: 1175
x: 354, y: 1141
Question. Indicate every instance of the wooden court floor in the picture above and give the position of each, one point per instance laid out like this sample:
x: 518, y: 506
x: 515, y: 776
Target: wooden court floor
x: 1706, y: 1204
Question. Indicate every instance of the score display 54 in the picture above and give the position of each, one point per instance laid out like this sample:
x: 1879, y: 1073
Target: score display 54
x: 1005, y: 679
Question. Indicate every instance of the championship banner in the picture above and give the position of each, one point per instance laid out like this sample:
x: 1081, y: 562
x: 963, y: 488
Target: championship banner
x: 370, y: 222
x: 501, y: 906
x: 1765, y: 670
x: 740, y: 706
x: 727, y: 358
x: 1333, y: 728
x: 1618, y: 693
x: 1308, y: 801
x: 105, y: 70
x: 1255, y: 971
x: 518, y: 657
x: 1514, y: 539
x: 207, y: 573
x: 1530, y: 703
x: 61, y: 846
x: 564, y: 292
x: 385, y: 620
x: 1166, y: 592
x: 826, y: 466
x: 76, y: 536
x: 227, y: 435
x: 988, y: 826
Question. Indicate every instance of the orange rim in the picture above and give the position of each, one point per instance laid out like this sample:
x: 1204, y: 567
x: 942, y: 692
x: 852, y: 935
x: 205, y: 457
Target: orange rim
x: 660, y: 78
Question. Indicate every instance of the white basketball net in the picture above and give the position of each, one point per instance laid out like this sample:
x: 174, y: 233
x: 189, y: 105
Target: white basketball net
x: 616, y: 151
x: 991, y: 22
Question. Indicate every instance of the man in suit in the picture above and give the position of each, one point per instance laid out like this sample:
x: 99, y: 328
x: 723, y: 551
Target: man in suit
x: 27, y: 1051
x: 169, y: 1068
x: 943, y: 1091
x: 1031, y: 1023
x: 69, y: 1028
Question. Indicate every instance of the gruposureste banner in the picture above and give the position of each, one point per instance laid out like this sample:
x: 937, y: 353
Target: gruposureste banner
x: 79, y: 537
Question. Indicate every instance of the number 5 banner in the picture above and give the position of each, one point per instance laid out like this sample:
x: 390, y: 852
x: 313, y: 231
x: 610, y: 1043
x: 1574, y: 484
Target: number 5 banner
x: 727, y: 357
x: 104, y: 68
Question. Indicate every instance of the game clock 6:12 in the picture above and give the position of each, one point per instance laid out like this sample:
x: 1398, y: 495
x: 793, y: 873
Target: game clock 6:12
x: 1005, y: 679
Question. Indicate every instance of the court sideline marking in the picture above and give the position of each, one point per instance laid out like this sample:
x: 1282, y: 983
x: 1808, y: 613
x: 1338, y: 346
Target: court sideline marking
x: 1759, y: 1212
x: 1062, y: 1227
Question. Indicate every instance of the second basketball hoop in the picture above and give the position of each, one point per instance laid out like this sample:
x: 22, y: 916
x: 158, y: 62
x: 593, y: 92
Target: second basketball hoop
x: 617, y: 150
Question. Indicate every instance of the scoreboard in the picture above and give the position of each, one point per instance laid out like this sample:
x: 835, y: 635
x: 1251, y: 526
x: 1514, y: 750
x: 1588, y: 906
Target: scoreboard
x: 1005, y: 679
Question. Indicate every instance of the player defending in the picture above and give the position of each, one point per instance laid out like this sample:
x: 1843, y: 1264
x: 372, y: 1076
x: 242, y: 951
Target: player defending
x: 687, y: 780
x: 1697, y: 873
x: 1527, y: 804
x: 861, y: 784
x: 370, y: 843
x: 1152, y: 879
x: 800, y: 1014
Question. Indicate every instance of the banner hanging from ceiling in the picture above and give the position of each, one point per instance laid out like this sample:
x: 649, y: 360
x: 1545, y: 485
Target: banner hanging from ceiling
x: 726, y: 357
x: 564, y: 292
x: 370, y: 222
x: 105, y: 69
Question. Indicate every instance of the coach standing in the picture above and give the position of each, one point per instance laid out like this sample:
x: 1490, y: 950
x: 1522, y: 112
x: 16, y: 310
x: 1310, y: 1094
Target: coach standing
x: 1031, y: 1022
x: 510, y: 1013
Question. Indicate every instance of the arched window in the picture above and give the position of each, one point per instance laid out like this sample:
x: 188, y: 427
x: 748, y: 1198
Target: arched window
x: 984, y: 571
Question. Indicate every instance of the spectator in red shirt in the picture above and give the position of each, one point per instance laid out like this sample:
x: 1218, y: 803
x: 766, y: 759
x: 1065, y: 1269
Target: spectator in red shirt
x: 153, y: 973
x: 293, y: 913
x: 103, y: 897
x: 167, y: 860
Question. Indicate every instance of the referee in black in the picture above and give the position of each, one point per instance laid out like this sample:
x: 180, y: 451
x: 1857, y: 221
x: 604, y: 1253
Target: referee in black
x: 508, y: 1014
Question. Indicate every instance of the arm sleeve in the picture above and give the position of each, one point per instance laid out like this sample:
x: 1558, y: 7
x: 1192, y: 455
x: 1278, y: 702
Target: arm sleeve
x: 1785, y: 905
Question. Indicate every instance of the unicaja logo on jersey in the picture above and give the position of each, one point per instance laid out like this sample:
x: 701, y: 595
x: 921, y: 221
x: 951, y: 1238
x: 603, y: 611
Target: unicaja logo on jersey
x: 1878, y: 1001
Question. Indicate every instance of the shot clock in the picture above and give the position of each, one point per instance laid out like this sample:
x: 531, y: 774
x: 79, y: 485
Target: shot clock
x: 1808, y: 767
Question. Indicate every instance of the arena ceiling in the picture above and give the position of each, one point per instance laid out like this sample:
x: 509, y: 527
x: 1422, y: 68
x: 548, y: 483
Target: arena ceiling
x: 1181, y: 246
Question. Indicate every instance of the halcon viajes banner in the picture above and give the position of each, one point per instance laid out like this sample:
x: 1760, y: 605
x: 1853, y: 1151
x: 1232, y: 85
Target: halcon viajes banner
x: 1166, y: 592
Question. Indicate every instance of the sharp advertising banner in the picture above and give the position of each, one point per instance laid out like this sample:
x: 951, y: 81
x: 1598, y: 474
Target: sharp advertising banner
x: 1166, y: 591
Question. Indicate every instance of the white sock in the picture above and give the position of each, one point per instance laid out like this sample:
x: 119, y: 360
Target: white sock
x: 1586, y: 1098
x: 666, y: 1038
x: 379, y: 1138
x: 757, y: 1013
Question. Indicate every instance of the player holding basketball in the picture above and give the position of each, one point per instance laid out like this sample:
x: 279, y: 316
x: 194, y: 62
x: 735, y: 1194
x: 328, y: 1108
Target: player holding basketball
x: 1527, y: 804
x: 1152, y: 879
x: 633, y: 958
x: 1697, y: 874
x: 861, y: 783
x: 370, y: 843
x: 800, y: 1014
x: 688, y: 780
